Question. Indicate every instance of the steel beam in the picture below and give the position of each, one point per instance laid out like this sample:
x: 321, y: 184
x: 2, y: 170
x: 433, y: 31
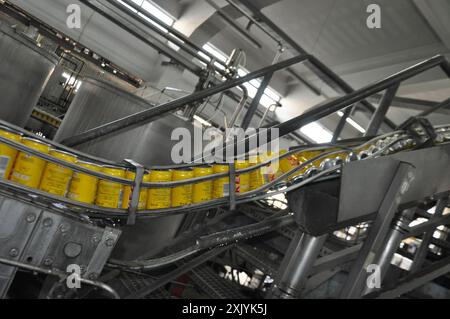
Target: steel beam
x: 443, y: 105
x: 410, y: 104
x: 355, y: 284
x: 169, y: 277
x: 154, y: 43
x: 422, y: 252
x: 315, y: 65
x: 172, y: 30
x: 381, y: 111
x: 149, y: 115
x: 256, y: 101
x: 338, y: 104
x: 414, y: 281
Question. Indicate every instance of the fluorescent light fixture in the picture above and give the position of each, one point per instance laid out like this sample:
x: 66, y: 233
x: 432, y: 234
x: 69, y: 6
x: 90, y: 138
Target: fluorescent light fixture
x: 128, y: 7
x: 215, y: 52
x: 201, y: 120
x: 317, y: 133
x: 352, y: 123
x: 158, y: 13
x: 154, y: 10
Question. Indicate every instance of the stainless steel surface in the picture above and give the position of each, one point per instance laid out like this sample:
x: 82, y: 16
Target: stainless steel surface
x: 25, y: 69
x: 97, y: 103
x: 49, y: 240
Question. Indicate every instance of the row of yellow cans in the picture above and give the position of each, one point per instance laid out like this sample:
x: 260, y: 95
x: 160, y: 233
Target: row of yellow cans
x: 58, y: 180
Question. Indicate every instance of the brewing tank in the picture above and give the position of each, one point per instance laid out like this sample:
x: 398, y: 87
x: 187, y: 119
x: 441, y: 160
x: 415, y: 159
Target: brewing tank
x: 98, y: 102
x: 25, y: 70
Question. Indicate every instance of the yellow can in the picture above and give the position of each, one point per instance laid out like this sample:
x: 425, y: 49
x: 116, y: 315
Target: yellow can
x: 221, y: 186
x: 242, y: 180
x: 159, y: 198
x: 256, y: 178
x: 271, y: 171
x: 110, y: 194
x: 128, y: 192
x: 8, y: 154
x: 28, y: 169
x: 202, y: 192
x: 56, y: 178
x: 182, y: 195
x: 289, y: 163
x: 83, y: 187
x: 309, y: 155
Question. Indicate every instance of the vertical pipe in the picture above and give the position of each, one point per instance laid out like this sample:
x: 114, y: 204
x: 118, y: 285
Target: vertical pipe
x: 296, y: 266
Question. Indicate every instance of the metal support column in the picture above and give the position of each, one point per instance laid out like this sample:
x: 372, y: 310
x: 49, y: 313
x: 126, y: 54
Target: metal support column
x: 255, y: 103
x: 297, y: 265
x: 380, y: 113
x: 384, y: 257
x: 379, y: 230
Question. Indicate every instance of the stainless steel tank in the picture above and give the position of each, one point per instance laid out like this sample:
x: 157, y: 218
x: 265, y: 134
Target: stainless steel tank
x: 98, y: 102
x: 25, y: 69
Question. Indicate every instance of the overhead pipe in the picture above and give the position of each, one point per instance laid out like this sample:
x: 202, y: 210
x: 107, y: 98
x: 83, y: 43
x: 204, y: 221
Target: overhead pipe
x: 180, y: 39
x: 154, y: 43
x: 149, y: 115
x: 324, y: 73
x: 319, y: 111
x: 381, y: 111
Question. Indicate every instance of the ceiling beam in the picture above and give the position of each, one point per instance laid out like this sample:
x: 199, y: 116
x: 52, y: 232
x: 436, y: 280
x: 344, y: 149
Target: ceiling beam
x: 412, y: 104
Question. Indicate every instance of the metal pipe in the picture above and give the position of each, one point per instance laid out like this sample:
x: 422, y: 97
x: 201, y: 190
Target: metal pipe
x: 154, y: 28
x: 341, y: 124
x: 148, y: 116
x: 443, y: 105
x: 381, y: 111
x: 310, y: 86
x: 233, y: 23
x: 338, y: 104
x: 297, y: 265
x: 263, y: 118
x: 60, y: 274
x: 256, y: 101
x: 414, y: 281
x: 423, y: 249
x: 239, y: 108
x: 171, y: 30
x: 152, y: 43
x: 324, y: 73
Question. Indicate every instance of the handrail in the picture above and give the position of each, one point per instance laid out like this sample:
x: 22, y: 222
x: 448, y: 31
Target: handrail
x: 340, y: 103
x: 149, y: 115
